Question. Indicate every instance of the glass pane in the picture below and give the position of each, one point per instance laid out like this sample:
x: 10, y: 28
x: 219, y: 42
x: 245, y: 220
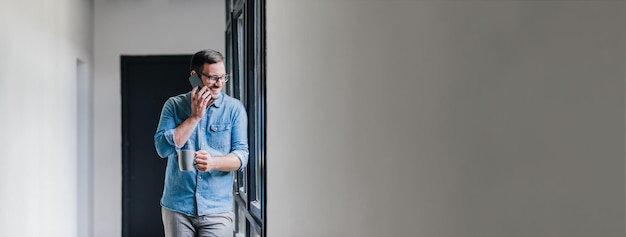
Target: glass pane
x: 242, y: 181
x: 258, y: 142
x: 258, y: 102
x: 241, y: 86
x: 229, y: 8
x: 237, y: 93
x: 241, y: 60
x: 253, y: 233
x: 240, y: 222
x: 229, y: 60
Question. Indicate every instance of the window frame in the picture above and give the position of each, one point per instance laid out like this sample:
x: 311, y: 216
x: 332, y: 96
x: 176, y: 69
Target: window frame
x: 245, y: 49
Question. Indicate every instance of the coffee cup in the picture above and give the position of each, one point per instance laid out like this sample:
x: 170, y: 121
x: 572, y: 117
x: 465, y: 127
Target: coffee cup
x: 186, y: 160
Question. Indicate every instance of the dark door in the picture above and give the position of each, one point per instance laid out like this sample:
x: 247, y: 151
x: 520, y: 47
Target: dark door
x: 147, y: 81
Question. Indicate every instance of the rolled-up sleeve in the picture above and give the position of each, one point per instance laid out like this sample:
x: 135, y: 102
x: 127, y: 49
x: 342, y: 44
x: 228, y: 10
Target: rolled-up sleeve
x: 164, y: 137
x: 239, y: 145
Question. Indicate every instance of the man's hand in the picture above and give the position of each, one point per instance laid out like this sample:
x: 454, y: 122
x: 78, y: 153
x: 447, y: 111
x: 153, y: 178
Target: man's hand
x: 204, y: 161
x: 200, y: 101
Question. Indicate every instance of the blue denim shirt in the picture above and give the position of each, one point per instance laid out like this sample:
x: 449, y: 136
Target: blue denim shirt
x: 223, y: 130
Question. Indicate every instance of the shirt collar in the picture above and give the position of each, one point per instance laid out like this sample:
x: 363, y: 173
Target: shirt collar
x: 220, y: 101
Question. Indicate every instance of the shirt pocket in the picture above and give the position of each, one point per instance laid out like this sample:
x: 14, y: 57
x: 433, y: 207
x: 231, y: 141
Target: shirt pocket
x: 219, y: 135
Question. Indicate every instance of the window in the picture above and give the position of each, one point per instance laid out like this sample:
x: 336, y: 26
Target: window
x: 245, y: 59
x: 240, y: 88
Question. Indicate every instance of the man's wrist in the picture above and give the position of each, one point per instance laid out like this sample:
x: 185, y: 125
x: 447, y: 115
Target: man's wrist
x: 194, y: 119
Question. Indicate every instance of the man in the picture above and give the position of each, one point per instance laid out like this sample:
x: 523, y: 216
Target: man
x: 199, y: 202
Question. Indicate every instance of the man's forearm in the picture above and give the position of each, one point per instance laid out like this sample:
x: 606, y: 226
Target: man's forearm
x: 184, y: 131
x: 228, y: 162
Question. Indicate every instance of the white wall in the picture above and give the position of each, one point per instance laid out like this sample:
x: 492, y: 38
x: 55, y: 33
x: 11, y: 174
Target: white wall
x: 156, y: 27
x: 40, y: 43
x: 445, y: 118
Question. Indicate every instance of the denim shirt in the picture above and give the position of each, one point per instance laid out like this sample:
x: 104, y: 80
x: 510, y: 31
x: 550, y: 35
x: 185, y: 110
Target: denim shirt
x: 221, y: 131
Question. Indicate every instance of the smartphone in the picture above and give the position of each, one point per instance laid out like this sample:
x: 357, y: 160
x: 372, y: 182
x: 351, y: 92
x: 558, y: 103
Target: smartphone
x: 195, y: 81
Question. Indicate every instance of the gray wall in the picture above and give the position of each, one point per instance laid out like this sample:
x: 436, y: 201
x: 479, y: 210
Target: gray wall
x: 445, y: 118
x: 135, y: 27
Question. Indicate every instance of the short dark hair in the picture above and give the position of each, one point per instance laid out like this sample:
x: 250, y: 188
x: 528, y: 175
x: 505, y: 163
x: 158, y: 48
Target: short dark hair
x: 205, y: 56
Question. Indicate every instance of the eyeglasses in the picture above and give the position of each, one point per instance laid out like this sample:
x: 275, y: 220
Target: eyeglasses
x: 223, y: 78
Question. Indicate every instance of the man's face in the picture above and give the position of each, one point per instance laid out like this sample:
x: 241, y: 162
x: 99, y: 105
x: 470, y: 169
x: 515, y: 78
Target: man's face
x: 213, y: 76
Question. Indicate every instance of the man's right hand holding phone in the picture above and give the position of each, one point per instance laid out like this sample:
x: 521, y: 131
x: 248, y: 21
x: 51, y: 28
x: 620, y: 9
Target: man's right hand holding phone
x: 200, y: 101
